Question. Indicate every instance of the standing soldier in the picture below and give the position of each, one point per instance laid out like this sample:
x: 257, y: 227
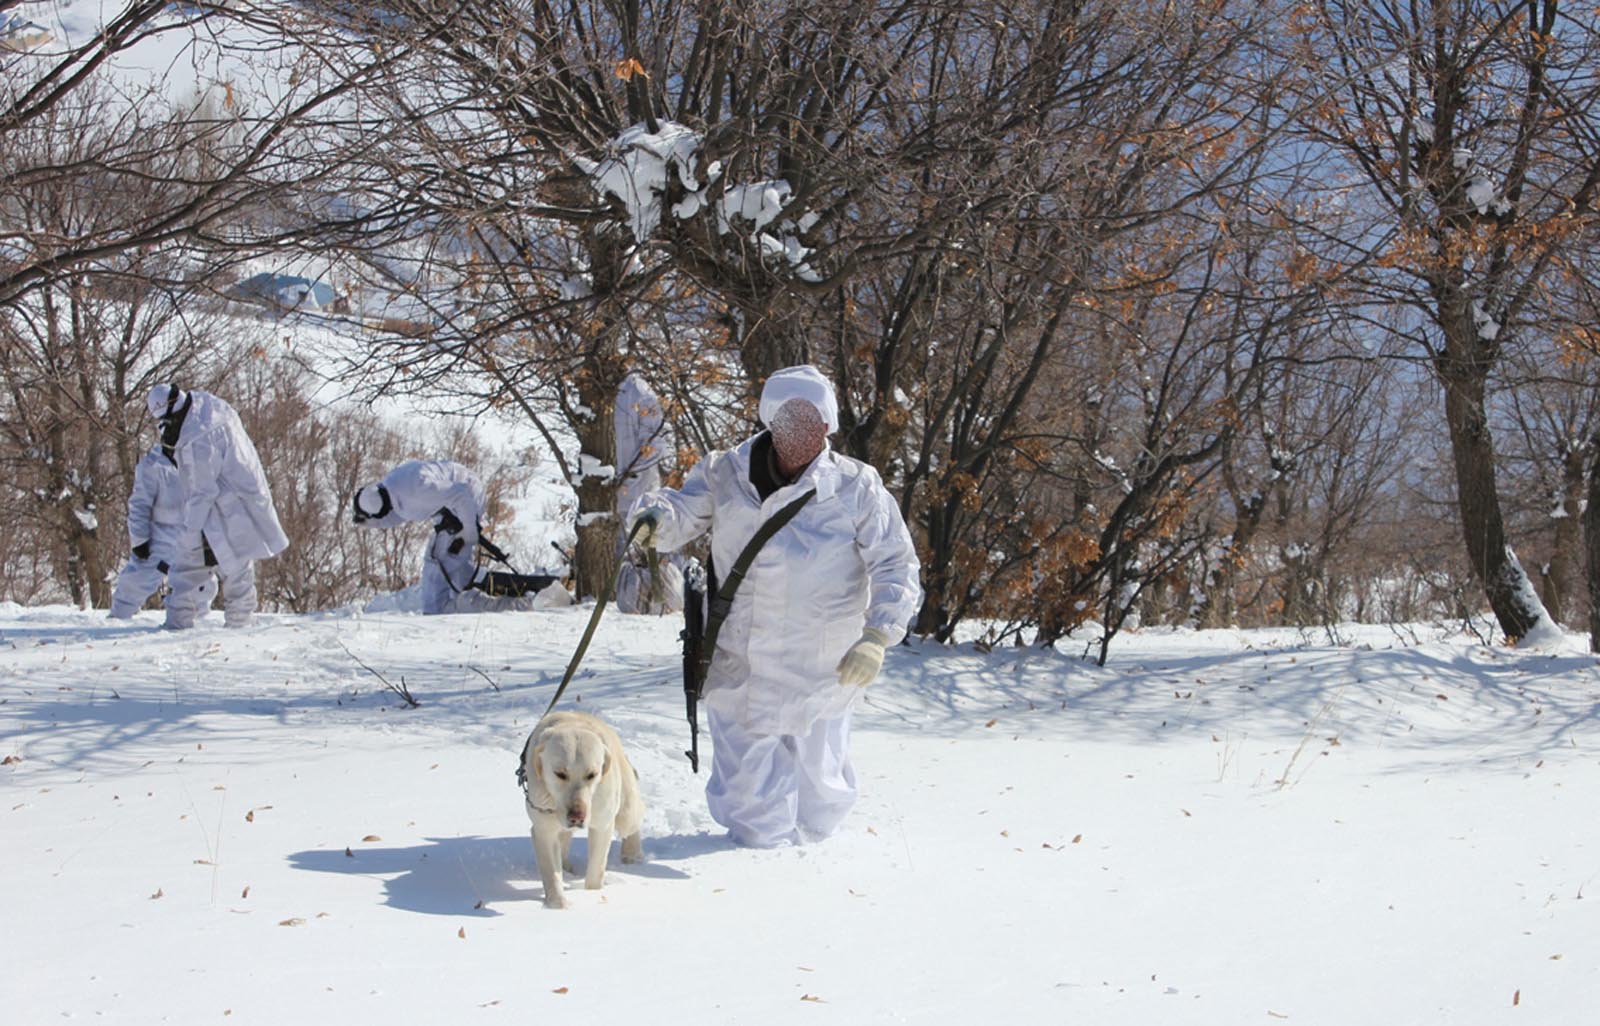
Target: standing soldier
x: 155, y: 517
x: 228, y: 514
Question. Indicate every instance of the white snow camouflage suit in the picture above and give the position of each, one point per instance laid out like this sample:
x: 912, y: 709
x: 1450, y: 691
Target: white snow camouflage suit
x: 226, y: 502
x: 426, y: 490
x: 778, y: 717
x: 155, y: 518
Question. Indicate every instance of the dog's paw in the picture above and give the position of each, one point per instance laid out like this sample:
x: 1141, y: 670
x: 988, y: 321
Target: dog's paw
x: 555, y: 901
x: 631, y: 858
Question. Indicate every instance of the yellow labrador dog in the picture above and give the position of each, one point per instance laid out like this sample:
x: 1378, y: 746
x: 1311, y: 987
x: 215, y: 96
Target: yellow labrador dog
x: 578, y: 776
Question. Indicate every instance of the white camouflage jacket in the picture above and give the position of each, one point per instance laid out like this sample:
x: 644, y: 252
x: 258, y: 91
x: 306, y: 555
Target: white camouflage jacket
x: 846, y: 561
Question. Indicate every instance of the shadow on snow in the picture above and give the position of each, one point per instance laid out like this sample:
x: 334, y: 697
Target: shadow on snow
x: 470, y: 876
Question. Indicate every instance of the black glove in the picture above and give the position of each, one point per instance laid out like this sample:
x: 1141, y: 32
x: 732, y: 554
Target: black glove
x: 162, y: 566
x: 456, y: 546
x: 142, y: 550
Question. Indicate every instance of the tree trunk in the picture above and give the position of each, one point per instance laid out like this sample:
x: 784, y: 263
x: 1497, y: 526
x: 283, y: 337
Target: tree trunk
x: 1219, y: 608
x: 772, y: 335
x: 1510, y: 594
x: 1591, y: 537
x: 1563, y: 569
x: 595, y: 556
x: 933, y: 619
x: 85, y: 544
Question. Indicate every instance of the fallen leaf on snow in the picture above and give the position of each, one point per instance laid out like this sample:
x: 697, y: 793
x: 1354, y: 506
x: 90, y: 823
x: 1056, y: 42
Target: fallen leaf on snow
x: 559, y: 990
x: 158, y: 894
x: 991, y: 723
x: 1516, y: 999
x: 246, y: 892
x: 349, y: 854
x: 812, y: 998
x: 371, y: 837
x: 462, y: 933
x: 292, y: 921
x: 10, y: 760
x: 250, y: 817
x: 1076, y: 838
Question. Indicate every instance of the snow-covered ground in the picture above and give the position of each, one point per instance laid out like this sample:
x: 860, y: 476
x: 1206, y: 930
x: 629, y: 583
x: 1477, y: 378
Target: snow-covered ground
x: 1220, y: 827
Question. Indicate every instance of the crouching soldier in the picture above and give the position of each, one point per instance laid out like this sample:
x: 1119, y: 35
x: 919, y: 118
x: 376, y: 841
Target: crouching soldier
x: 446, y: 493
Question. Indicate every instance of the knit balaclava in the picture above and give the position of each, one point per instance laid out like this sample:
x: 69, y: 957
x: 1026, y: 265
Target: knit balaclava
x: 798, y: 435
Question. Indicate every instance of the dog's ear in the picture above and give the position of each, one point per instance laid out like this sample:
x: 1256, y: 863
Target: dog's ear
x: 606, y: 766
x: 538, y: 762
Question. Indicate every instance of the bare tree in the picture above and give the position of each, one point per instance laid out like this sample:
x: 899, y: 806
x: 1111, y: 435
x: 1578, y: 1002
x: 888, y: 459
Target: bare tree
x: 1550, y: 406
x: 236, y: 162
x: 1466, y: 131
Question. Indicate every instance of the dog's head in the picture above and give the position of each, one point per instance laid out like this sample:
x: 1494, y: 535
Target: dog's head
x: 568, y: 763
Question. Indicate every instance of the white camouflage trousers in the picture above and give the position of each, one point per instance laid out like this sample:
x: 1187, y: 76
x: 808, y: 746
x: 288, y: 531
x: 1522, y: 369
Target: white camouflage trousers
x: 193, y: 589
x: 772, y: 789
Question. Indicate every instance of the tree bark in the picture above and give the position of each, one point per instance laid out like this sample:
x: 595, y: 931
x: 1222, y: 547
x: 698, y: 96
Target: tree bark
x: 596, y: 553
x: 1591, y: 537
x: 601, y: 372
x: 1505, y: 584
x: 1563, y: 570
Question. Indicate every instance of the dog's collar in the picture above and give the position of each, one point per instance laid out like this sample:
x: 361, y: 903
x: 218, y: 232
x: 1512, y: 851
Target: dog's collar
x: 535, y: 808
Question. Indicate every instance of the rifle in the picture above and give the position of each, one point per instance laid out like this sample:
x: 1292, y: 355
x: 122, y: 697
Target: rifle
x: 693, y: 637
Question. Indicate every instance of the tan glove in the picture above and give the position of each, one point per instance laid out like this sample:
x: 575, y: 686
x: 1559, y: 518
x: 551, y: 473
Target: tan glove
x: 861, y: 664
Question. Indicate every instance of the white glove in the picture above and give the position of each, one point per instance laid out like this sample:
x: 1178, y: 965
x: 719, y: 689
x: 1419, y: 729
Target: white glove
x: 861, y: 664
x: 647, y: 523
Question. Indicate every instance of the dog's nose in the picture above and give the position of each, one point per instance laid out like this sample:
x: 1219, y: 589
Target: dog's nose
x: 575, y: 817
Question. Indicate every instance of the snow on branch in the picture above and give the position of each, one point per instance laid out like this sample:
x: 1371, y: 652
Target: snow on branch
x: 639, y: 173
